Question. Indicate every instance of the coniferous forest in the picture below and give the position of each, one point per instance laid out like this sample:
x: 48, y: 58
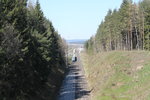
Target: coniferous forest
x: 32, y: 53
x: 126, y: 28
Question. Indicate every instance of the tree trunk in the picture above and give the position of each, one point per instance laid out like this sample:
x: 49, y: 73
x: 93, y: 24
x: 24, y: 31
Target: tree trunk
x: 143, y: 29
x: 131, y: 41
x: 137, y: 37
x: 126, y: 45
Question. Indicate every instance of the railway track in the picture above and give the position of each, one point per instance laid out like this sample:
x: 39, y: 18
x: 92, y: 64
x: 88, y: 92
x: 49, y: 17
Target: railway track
x: 75, y: 86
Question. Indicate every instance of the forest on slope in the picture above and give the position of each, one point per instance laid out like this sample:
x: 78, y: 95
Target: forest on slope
x: 116, y: 60
x: 126, y: 28
x: 32, y: 53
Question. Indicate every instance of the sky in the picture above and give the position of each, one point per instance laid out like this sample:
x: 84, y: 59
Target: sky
x: 77, y: 19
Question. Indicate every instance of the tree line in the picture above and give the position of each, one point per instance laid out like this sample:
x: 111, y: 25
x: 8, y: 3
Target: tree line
x: 32, y: 53
x: 126, y: 28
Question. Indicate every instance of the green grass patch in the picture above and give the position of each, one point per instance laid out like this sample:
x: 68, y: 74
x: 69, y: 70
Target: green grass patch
x: 115, y: 75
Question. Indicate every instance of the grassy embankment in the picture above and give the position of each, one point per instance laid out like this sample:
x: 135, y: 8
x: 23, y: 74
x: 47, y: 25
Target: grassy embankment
x: 118, y: 75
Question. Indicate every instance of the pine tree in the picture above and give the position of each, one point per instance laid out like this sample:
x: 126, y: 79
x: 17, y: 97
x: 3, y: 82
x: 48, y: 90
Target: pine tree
x: 124, y: 18
x: 146, y: 9
x: 124, y: 29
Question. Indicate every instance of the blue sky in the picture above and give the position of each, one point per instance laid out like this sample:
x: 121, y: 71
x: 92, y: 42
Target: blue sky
x: 77, y: 19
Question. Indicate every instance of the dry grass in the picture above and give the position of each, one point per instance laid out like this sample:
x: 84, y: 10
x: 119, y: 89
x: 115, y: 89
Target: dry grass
x: 118, y: 75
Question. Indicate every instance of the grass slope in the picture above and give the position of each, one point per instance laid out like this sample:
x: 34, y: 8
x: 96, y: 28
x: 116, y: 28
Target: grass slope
x: 118, y: 75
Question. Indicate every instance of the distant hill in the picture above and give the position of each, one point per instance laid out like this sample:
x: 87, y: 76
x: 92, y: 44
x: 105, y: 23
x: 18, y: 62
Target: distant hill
x: 77, y: 41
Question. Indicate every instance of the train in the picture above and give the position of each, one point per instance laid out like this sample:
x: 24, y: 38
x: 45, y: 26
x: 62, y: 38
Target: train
x: 74, y: 58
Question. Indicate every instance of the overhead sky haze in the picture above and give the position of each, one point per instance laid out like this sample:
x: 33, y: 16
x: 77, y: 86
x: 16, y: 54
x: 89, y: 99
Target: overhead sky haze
x: 77, y: 19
